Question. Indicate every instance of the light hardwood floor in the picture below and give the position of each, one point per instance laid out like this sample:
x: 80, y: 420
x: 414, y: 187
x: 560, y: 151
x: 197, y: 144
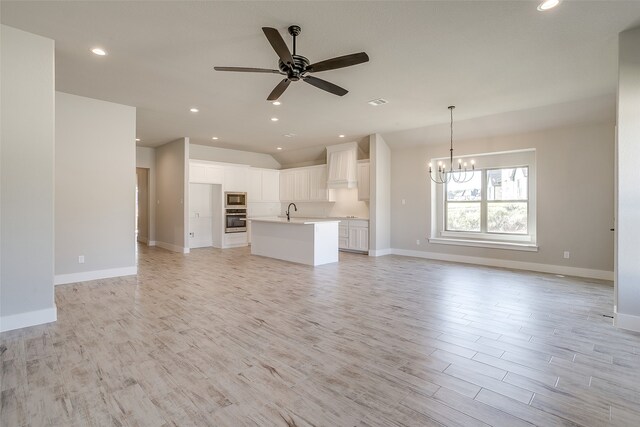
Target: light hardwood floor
x: 223, y: 338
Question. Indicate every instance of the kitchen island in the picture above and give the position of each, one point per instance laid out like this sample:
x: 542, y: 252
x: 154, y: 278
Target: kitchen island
x: 308, y: 241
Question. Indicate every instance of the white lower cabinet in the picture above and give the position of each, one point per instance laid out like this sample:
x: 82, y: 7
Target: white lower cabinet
x: 232, y: 240
x: 353, y: 235
x: 343, y: 235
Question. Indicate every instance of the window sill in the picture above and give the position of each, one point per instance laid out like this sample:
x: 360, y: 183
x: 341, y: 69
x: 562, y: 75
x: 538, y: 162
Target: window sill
x: 527, y: 247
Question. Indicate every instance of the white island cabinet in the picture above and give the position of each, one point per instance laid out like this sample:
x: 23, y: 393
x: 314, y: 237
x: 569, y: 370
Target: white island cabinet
x: 305, y: 241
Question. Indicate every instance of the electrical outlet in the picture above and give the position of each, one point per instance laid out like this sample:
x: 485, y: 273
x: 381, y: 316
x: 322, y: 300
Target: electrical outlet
x: 404, y: 202
x: 418, y: 242
x: 81, y: 259
x: 567, y: 255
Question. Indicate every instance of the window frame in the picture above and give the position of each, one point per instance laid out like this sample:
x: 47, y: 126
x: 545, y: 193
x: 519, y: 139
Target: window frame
x: 491, y: 161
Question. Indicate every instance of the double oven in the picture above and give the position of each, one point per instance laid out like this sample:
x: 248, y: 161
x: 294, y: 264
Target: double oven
x: 235, y: 213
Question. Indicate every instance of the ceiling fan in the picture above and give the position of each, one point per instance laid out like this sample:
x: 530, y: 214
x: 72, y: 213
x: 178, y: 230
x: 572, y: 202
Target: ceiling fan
x: 297, y: 67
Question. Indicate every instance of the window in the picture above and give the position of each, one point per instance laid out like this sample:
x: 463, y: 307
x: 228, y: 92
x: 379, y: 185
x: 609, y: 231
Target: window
x: 499, y: 206
x: 495, y: 208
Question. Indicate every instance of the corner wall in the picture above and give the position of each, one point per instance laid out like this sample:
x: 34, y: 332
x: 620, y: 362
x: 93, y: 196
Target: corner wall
x: 380, y: 197
x: 172, y: 192
x: 95, y: 189
x: 26, y: 179
x: 628, y: 191
x: 575, y: 175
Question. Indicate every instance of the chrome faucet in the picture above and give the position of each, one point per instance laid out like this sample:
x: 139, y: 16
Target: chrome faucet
x: 289, y: 207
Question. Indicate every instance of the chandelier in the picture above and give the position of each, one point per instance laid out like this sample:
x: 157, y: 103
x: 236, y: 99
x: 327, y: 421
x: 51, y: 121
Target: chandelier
x: 460, y: 174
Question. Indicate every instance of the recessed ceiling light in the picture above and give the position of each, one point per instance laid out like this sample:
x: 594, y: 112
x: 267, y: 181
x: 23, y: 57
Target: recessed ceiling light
x: 548, y: 4
x: 276, y: 102
x: 376, y: 102
x: 214, y: 138
x: 274, y: 119
x: 137, y: 139
x: 99, y: 51
x: 278, y: 148
x: 194, y: 110
x: 340, y: 136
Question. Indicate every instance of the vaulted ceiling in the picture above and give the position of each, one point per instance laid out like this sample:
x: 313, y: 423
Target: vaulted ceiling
x: 490, y: 58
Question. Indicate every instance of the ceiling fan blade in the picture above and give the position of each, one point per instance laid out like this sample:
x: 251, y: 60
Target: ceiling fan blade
x: 325, y: 85
x: 339, y: 62
x: 278, y: 44
x: 247, y: 70
x: 278, y: 90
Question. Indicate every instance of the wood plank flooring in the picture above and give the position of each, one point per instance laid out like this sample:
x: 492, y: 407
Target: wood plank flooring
x: 224, y: 338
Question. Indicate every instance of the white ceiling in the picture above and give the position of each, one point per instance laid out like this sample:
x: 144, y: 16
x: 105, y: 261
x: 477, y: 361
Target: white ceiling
x: 486, y: 57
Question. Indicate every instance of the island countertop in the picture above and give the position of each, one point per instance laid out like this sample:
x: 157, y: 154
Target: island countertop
x: 298, y: 221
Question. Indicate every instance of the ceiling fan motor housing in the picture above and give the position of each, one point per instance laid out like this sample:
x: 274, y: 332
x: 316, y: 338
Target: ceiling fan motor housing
x: 300, y: 64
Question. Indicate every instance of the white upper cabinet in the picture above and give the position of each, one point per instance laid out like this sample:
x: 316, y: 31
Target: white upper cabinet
x: 236, y: 178
x: 287, y: 185
x: 318, y: 191
x: 264, y: 185
x: 342, y: 163
x: 363, y: 180
x: 301, y: 185
x: 254, y: 189
x: 270, y: 185
x: 204, y: 173
x: 308, y: 184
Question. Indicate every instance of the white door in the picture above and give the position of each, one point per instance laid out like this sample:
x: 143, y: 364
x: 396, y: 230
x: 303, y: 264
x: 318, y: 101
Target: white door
x: 200, y: 215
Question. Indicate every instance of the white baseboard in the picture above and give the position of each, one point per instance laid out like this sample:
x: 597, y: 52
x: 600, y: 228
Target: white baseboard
x: 172, y: 247
x: 380, y: 252
x: 143, y: 240
x: 627, y: 321
x: 151, y: 243
x: 63, y: 279
x: 516, y: 265
x: 30, y: 318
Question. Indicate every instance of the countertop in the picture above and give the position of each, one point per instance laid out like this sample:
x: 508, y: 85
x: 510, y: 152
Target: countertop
x: 298, y: 221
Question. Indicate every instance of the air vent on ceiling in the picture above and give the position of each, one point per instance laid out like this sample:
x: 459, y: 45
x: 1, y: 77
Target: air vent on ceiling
x: 376, y: 102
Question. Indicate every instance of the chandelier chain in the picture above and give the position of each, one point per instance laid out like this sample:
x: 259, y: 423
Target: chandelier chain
x: 459, y: 175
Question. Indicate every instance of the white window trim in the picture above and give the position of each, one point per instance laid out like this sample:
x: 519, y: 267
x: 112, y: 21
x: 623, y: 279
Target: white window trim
x: 528, y: 247
x: 518, y: 242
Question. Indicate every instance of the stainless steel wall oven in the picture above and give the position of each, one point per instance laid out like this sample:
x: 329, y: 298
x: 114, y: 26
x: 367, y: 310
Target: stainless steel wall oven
x: 235, y: 220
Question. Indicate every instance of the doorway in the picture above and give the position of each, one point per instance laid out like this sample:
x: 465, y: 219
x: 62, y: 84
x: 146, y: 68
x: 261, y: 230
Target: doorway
x: 142, y: 205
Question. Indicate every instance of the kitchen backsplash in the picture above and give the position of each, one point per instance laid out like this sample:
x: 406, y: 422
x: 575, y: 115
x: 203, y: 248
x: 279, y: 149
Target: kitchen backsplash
x: 346, y: 204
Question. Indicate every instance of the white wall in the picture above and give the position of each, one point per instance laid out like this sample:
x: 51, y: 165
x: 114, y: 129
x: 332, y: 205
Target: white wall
x: 574, y: 200
x: 628, y: 191
x: 215, y: 154
x: 380, y: 196
x: 26, y: 179
x: 172, y: 192
x: 95, y: 189
x: 146, y: 158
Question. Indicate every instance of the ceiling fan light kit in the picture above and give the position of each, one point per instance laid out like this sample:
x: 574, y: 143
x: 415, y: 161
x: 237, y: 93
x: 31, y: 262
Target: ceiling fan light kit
x: 296, y: 67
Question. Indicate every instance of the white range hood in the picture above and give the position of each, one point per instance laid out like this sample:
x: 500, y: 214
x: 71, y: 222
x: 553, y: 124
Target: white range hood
x: 342, y: 165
